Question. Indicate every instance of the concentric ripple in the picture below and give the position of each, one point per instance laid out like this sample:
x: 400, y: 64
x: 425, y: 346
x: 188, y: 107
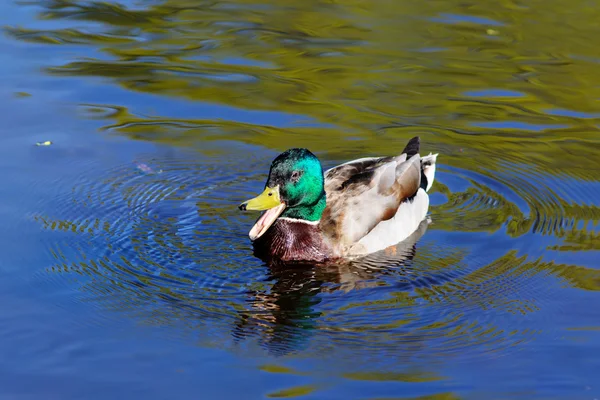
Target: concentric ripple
x: 152, y: 235
x: 161, y: 241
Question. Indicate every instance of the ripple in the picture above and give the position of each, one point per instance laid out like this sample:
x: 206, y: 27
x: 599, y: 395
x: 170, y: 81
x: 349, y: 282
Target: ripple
x: 160, y: 240
x: 518, y: 125
x: 145, y: 239
x: 503, y: 266
x: 494, y: 93
x: 468, y: 19
x: 445, y: 302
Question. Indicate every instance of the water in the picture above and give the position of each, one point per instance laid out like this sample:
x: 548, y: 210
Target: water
x: 126, y: 266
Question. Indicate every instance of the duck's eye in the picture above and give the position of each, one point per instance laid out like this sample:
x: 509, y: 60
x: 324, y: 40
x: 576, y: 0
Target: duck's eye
x: 295, y: 176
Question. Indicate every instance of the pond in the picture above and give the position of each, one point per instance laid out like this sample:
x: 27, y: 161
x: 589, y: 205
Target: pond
x: 133, y: 130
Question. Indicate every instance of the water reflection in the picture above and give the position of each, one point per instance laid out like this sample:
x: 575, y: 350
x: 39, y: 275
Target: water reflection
x: 285, y: 64
x: 165, y: 244
x: 285, y: 313
x: 506, y: 92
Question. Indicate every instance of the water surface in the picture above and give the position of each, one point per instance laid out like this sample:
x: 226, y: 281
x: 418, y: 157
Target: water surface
x: 126, y: 266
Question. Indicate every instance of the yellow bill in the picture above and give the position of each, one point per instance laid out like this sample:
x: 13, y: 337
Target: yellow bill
x: 268, y: 200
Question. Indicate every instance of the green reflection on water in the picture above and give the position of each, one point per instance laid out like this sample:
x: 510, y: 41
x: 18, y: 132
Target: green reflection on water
x: 482, y: 92
x: 379, y: 72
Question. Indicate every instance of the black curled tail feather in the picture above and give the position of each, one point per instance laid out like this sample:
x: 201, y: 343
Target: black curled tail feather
x: 412, y: 147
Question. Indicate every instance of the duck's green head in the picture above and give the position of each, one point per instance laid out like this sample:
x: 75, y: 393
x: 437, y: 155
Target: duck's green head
x: 294, y: 189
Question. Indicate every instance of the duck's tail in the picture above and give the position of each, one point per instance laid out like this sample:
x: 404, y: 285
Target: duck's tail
x: 427, y: 162
x: 412, y: 147
x: 428, y: 171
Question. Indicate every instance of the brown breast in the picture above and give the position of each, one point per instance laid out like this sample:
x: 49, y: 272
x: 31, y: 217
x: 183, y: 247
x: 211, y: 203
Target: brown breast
x: 287, y: 240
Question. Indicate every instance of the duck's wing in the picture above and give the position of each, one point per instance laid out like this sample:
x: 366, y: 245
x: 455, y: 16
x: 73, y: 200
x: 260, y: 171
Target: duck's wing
x: 362, y: 193
x: 341, y: 173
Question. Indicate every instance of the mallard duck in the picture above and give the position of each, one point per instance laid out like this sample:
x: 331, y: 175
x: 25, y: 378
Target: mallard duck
x: 351, y: 210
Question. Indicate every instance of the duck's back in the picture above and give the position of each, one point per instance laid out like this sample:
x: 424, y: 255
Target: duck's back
x: 373, y: 203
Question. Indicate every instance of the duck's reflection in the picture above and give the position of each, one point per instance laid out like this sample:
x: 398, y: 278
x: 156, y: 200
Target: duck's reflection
x: 284, y: 315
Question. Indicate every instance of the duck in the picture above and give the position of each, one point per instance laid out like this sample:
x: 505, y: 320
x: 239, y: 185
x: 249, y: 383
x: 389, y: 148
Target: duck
x: 351, y: 210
